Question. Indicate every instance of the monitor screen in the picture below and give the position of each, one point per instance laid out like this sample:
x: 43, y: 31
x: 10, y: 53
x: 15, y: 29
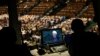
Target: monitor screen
x: 51, y: 36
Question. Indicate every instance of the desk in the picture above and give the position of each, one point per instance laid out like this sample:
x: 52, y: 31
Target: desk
x: 65, y: 53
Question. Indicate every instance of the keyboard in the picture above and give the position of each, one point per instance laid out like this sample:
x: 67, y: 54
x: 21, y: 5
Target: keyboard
x: 59, y: 48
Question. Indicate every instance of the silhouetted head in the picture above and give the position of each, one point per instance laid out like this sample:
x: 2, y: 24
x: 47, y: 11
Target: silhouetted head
x: 41, y: 51
x: 8, y: 35
x: 77, y: 25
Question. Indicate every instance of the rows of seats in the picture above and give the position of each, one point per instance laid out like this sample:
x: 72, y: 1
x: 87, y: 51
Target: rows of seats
x: 41, y: 8
x: 71, y: 9
x: 49, y: 0
x: 29, y: 4
x: 25, y: 6
x: 89, y: 12
x: 21, y: 7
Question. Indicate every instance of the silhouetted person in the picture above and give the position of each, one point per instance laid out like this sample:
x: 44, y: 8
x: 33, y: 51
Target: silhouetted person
x: 41, y: 52
x: 82, y: 43
x: 9, y: 46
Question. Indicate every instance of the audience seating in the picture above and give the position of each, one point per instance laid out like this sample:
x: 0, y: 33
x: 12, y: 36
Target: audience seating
x: 70, y: 10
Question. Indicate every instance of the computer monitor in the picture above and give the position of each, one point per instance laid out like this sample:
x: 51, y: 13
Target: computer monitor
x: 51, y: 36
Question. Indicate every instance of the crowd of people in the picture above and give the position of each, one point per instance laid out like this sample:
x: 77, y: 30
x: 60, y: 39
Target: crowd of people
x: 32, y: 24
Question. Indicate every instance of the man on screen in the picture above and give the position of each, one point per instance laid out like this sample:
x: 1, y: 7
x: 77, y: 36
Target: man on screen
x: 54, y: 36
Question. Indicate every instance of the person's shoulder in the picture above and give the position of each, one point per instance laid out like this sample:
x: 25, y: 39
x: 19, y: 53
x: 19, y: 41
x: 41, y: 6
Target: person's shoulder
x: 23, y: 50
x: 72, y: 34
x: 21, y: 46
x: 91, y: 33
